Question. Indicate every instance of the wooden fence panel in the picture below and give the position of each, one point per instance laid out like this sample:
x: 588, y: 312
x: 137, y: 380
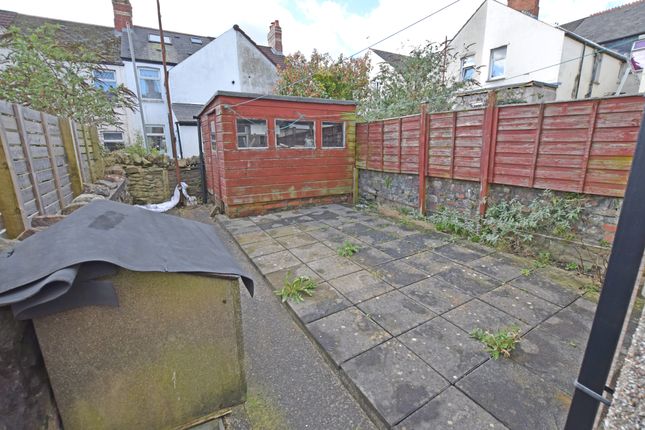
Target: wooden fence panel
x: 362, y: 143
x: 410, y: 144
x: 468, y: 145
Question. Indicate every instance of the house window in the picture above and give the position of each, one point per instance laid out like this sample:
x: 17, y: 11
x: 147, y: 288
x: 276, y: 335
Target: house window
x: 251, y: 133
x: 156, y: 137
x: 150, y: 83
x: 104, y: 79
x: 468, y: 68
x: 196, y: 40
x: 294, y: 134
x: 113, y: 140
x: 155, y: 38
x: 333, y: 134
x: 213, y: 136
x: 497, y: 62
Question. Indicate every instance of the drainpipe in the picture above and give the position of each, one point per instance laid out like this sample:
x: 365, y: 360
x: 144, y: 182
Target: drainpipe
x: 181, y: 151
x: 202, y: 164
x: 593, y: 73
x: 579, y: 77
x: 136, y: 83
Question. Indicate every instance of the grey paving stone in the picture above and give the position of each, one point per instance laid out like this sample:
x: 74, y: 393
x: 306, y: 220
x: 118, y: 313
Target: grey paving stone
x: 360, y: 286
x: 396, y: 312
x: 517, y: 397
x: 324, y: 301
x: 468, y: 280
x: 346, y: 334
x: 436, y: 294
x: 256, y: 249
x: 283, y: 231
x: 338, y: 222
x: 370, y: 256
x: 451, y: 409
x: 462, y: 252
x: 573, y: 323
x: 539, y: 283
x: 339, y: 241
x: 323, y: 215
x: 277, y: 279
x: 250, y: 237
x: 477, y: 314
x: 429, y: 262
x: 374, y: 237
x: 395, y: 381
x: 353, y: 228
x: 522, y: 305
x: 398, y: 230
x: 500, y: 266
x: 310, y: 226
x: 402, y: 247
x: 296, y: 240
x: 334, y: 267
x: 448, y: 349
x: 327, y: 233
x: 400, y: 274
x: 552, y: 358
x: 314, y: 251
x: 276, y: 261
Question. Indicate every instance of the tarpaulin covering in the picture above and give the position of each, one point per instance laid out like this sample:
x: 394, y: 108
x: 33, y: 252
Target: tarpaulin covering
x: 61, y: 268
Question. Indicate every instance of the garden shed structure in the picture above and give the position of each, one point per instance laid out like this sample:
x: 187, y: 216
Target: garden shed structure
x: 266, y: 152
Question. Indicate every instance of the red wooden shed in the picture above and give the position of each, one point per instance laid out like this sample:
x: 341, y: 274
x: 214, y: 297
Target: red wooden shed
x: 268, y: 152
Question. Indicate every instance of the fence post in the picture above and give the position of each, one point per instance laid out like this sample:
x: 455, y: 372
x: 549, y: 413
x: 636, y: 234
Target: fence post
x: 88, y: 156
x: 423, y: 157
x: 73, y: 167
x: 24, y: 142
x: 11, y: 204
x: 52, y: 160
x: 99, y: 165
x: 486, y: 153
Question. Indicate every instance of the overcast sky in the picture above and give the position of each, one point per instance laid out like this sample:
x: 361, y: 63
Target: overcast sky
x: 335, y: 26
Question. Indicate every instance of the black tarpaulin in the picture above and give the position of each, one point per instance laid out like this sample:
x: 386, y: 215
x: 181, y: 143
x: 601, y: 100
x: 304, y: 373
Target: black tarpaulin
x: 60, y: 268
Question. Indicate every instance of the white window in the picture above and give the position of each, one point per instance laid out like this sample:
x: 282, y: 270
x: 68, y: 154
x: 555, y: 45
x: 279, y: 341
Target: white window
x: 213, y: 136
x: 156, y: 137
x: 497, y: 62
x: 155, y: 38
x: 196, y: 40
x: 251, y: 133
x: 150, y: 83
x: 105, y: 79
x: 468, y: 68
x: 113, y: 140
x: 333, y: 134
x: 294, y: 134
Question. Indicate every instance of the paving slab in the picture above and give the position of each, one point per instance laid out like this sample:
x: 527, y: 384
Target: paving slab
x: 400, y: 274
x: 296, y: 240
x: 436, y: 294
x: 402, y: 247
x: 477, y: 314
x: 324, y: 301
x: 448, y: 349
x: 360, y: 286
x: 324, y: 215
x: 462, y: 252
x: 346, y: 334
x: 327, y: 233
x: 396, y: 312
x: 468, y: 280
x: 310, y: 226
x: 338, y: 222
x: 517, y: 397
x: 522, y: 305
x: 370, y: 256
x: 394, y: 380
x: 276, y: 261
x: 314, y: 251
x: 373, y: 236
x: 277, y: 279
x: 573, y: 323
x: 283, y: 231
x: 397, y: 230
x: 542, y: 284
x: 429, y: 262
x: 255, y: 249
x: 251, y: 237
x: 500, y: 266
x: 450, y: 410
x: 334, y: 267
x: 353, y: 228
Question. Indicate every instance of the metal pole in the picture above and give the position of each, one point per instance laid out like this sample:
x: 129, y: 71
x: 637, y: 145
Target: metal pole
x: 136, y: 83
x: 173, y: 140
x: 202, y: 161
x: 181, y: 149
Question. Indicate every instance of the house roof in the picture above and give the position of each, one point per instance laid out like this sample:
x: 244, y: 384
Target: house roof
x: 276, y: 58
x: 615, y: 23
x: 180, y: 48
x: 95, y: 37
x: 391, y: 58
x: 186, y: 112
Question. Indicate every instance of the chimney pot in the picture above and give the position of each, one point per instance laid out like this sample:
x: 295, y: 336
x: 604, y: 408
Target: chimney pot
x: 275, y: 37
x: 530, y: 7
x: 122, y: 14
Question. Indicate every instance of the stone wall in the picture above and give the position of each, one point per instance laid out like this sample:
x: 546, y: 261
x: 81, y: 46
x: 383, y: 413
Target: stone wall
x: 392, y: 188
x: 190, y: 172
x: 148, y: 184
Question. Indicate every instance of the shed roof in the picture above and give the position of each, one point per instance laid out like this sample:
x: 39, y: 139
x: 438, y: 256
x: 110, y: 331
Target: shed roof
x: 186, y: 112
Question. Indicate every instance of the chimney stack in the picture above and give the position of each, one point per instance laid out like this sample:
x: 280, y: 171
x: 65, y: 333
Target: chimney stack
x: 122, y: 14
x: 275, y: 37
x: 529, y: 7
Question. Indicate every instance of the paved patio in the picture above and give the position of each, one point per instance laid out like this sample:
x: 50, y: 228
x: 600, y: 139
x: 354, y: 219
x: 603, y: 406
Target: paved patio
x: 394, y: 318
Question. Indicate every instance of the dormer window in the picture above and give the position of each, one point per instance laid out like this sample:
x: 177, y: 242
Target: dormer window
x: 196, y: 40
x: 155, y: 38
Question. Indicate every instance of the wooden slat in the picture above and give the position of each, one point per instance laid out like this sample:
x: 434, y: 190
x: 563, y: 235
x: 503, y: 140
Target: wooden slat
x: 11, y: 203
x: 400, y: 141
x: 536, y: 145
x: 79, y: 153
x: 423, y: 156
x: 453, y: 145
x: 585, y: 159
x: 70, y: 147
x: 17, y: 110
x: 52, y: 159
x: 88, y: 155
x: 484, y: 168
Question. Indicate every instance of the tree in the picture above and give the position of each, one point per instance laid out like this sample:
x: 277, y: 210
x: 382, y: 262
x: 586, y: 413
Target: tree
x: 322, y: 76
x: 41, y: 71
x: 399, y: 89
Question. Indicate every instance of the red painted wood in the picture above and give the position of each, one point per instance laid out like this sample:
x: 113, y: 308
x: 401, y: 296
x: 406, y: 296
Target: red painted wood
x: 536, y: 145
x: 487, y: 145
x: 423, y: 157
x: 593, y: 119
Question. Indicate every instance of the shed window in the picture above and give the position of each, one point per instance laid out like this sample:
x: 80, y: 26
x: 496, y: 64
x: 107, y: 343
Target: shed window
x: 113, y: 140
x: 213, y: 141
x: 156, y: 137
x: 104, y: 79
x: 294, y: 134
x: 468, y: 68
x: 333, y: 134
x: 150, y: 83
x: 251, y: 133
x: 497, y: 62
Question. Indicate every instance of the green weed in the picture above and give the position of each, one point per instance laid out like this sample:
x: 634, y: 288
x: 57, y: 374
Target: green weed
x: 296, y: 288
x: 500, y: 343
x: 347, y: 249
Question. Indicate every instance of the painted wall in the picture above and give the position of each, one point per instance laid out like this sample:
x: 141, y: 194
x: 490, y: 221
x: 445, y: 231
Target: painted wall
x: 125, y: 117
x: 189, y: 140
x: 257, y: 74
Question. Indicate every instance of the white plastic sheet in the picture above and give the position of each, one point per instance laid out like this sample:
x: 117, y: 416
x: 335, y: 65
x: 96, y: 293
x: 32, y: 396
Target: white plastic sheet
x: 174, y: 200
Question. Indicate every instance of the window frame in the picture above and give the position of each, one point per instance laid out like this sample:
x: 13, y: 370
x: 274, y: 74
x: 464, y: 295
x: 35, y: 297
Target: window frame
x: 106, y: 141
x: 293, y: 121
x: 213, y: 136
x: 491, y: 62
x: 158, y: 79
x: 463, y: 67
x: 149, y: 134
x: 107, y: 87
x: 255, y: 148
x: 322, y: 136
x: 196, y: 40
x: 156, y: 38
